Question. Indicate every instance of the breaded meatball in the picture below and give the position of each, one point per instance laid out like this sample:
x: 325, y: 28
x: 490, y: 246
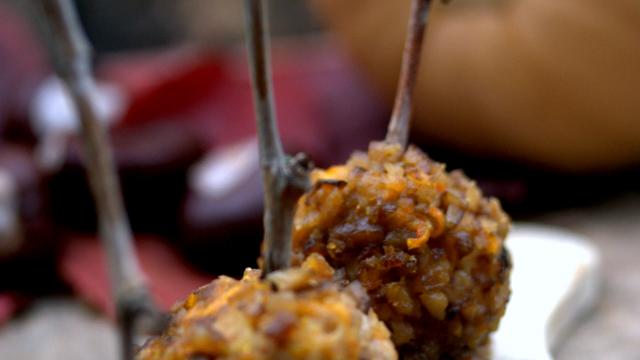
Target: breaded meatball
x: 292, y: 314
x: 424, y: 243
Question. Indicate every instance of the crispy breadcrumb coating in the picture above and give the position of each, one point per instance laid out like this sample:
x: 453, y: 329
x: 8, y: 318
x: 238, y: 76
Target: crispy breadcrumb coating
x: 292, y: 314
x: 424, y: 243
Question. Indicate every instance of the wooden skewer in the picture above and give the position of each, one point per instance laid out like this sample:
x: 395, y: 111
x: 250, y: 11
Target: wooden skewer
x: 70, y: 53
x: 284, y: 178
x: 398, y: 130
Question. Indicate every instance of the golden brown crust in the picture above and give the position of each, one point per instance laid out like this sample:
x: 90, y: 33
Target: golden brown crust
x: 294, y: 314
x: 426, y: 245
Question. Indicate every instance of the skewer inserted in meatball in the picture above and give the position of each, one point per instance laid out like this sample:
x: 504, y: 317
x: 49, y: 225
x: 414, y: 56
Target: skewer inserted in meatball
x: 424, y: 243
x: 296, y: 313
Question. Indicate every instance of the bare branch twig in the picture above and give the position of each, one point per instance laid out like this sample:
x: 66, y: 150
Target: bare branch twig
x: 71, y: 54
x: 284, y: 178
x: 398, y: 131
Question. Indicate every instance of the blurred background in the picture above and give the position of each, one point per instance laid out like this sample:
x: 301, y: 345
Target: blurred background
x: 538, y: 100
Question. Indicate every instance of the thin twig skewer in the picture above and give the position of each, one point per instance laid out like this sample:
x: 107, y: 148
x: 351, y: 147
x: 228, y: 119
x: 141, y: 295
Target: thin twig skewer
x: 398, y: 130
x: 284, y: 178
x: 71, y: 55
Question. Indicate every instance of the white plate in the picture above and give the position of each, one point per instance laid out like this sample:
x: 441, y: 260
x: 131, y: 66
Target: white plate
x: 556, y: 279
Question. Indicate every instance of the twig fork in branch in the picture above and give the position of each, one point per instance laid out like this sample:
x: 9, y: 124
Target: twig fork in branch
x: 284, y: 178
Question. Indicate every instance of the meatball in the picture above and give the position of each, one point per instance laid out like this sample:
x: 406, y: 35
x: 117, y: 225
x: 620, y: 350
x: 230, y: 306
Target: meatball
x: 292, y: 314
x: 424, y: 243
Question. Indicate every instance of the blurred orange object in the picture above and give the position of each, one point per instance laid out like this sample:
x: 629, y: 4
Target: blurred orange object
x: 554, y: 83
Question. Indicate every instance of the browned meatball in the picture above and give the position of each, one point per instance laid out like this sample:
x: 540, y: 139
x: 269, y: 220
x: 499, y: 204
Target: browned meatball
x: 426, y: 245
x: 293, y: 314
